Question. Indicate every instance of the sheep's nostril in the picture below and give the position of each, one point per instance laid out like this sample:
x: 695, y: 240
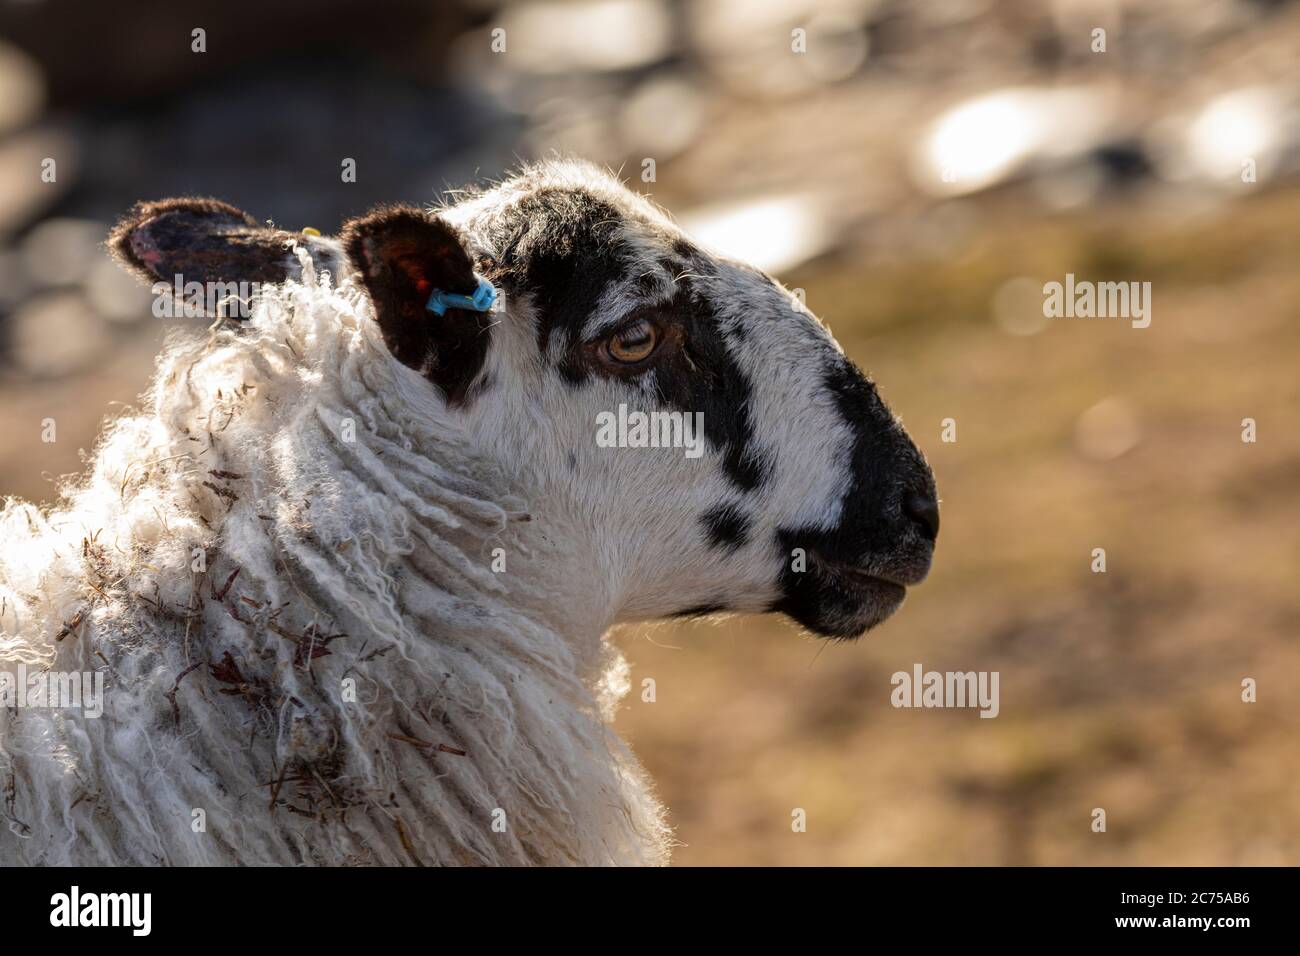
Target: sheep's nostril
x: 923, y: 508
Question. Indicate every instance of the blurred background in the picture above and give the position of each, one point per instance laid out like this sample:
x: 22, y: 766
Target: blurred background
x: 919, y: 169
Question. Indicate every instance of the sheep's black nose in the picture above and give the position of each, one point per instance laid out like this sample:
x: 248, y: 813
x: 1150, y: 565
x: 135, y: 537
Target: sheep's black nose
x: 923, y: 508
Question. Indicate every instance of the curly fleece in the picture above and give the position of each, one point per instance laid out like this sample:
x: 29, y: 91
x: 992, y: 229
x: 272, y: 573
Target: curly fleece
x: 282, y: 566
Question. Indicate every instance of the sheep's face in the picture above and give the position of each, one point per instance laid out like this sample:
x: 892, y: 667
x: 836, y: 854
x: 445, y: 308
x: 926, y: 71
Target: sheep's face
x: 786, y: 484
x: 696, y: 438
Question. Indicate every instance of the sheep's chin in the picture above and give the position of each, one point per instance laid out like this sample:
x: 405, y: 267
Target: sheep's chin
x: 842, y: 605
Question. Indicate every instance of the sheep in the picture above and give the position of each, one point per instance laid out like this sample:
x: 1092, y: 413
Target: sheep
x: 348, y: 573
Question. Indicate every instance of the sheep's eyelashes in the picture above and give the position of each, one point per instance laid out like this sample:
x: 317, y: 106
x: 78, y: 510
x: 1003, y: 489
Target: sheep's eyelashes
x: 632, y: 344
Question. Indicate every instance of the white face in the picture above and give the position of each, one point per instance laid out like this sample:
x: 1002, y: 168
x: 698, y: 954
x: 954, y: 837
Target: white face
x: 799, y: 494
x: 806, y: 495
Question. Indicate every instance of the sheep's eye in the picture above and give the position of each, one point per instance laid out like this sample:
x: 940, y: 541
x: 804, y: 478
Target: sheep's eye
x: 633, y: 343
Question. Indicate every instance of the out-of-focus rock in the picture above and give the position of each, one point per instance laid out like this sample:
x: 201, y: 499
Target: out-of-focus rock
x: 778, y: 47
x: 774, y: 233
x: 663, y: 116
x: 22, y: 88
x: 55, y: 334
x: 591, y: 36
x: 1242, y: 136
x: 992, y: 138
x: 840, y: 44
x: 14, y: 282
x: 115, y: 295
x: 62, y: 251
x: 23, y: 193
x: 583, y: 126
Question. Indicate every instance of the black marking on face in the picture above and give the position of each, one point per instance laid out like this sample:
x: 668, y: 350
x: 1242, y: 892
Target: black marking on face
x: 873, y: 534
x: 561, y: 247
x: 705, y: 377
x: 564, y: 247
x: 884, y: 461
x: 727, y: 526
x: 648, y: 284
x: 810, y: 598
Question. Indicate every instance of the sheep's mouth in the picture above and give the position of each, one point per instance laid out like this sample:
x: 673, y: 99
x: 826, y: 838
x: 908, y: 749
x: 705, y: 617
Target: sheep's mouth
x: 853, y: 599
x: 849, y: 576
x: 843, y: 599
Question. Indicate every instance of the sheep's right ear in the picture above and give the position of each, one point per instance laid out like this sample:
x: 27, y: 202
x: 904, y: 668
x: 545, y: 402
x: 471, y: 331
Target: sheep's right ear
x: 403, y: 255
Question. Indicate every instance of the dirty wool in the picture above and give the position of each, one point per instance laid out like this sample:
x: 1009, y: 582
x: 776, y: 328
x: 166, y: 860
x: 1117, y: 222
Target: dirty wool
x: 281, y: 566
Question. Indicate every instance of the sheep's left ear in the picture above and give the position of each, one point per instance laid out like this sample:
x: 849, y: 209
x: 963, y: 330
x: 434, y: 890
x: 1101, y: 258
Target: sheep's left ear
x: 208, y: 241
x: 403, y: 255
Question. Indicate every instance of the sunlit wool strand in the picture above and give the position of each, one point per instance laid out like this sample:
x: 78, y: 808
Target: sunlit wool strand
x: 387, y: 540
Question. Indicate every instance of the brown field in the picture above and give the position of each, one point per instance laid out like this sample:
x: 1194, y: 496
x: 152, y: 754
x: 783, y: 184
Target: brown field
x: 1118, y: 690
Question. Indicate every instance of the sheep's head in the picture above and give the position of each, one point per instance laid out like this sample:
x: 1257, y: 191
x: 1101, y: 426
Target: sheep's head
x: 800, y: 492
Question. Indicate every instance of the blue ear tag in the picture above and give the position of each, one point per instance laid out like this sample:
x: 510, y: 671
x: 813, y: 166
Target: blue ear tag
x: 480, y: 301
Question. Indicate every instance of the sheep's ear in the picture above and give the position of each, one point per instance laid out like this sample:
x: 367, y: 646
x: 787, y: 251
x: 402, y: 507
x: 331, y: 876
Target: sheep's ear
x: 208, y: 241
x: 403, y: 255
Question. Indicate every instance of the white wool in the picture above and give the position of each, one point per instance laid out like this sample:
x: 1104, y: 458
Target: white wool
x: 386, y: 540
